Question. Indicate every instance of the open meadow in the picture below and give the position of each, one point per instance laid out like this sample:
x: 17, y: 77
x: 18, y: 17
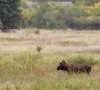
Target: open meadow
x: 28, y: 60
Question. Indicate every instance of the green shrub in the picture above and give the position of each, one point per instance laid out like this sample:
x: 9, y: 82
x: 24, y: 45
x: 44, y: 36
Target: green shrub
x: 39, y: 48
x: 37, y: 32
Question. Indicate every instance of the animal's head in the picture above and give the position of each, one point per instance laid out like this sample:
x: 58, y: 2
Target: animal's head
x: 61, y: 65
x: 63, y: 62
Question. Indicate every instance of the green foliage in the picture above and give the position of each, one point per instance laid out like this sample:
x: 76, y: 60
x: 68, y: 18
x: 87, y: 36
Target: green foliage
x: 52, y: 23
x: 46, y: 17
x: 38, y: 17
x: 76, y: 11
x: 24, y: 5
x: 56, y: 16
x: 88, y: 23
x: 0, y: 24
x: 39, y: 48
x: 93, y: 10
x: 51, y: 16
x: 10, y: 14
x: 86, y: 2
x: 25, y: 24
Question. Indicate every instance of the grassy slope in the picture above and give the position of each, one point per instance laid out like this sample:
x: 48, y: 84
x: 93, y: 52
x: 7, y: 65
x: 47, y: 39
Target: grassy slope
x: 23, y: 68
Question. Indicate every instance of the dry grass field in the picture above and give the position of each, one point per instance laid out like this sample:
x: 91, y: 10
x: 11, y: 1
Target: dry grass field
x: 23, y: 67
x: 52, y: 41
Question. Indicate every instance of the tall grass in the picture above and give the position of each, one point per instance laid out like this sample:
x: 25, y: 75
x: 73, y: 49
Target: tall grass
x: 80, y: 84
x: 30, y: 59
x: 84, y: 59
x: 26, y: 69
x: 30, y: 70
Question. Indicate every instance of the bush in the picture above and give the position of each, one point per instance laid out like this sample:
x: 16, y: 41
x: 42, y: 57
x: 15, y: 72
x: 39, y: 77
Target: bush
x: 39, y: 48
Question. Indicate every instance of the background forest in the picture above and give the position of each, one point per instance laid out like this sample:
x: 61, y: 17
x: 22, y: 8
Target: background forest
x: 48, y: 14
x: 84, y: 14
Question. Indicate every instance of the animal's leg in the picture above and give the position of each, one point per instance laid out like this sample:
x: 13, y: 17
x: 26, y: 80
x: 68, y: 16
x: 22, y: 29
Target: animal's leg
x: 88, y: 71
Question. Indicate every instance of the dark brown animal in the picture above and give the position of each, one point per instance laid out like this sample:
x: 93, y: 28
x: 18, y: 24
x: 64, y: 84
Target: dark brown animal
x: 74, y: 67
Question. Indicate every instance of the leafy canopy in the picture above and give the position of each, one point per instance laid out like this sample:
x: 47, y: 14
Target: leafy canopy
x: 10, y: 14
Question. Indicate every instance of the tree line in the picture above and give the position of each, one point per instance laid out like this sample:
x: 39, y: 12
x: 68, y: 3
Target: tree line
x: 85, y: 14
x: 10, y: 14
